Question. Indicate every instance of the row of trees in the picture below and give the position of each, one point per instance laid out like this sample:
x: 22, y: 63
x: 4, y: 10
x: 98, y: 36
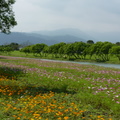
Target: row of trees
x: 9, y: 47
x: 102, y: 51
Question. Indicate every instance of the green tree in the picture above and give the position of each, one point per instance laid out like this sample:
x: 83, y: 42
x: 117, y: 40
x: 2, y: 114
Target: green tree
x: 26, y: 50
x: 45, y: 50
x: 7, y: 19
x: 1, y: 49
x: 79, y: 50
x: 101, y: 51
x: 69, y: 50
x: 37, y: 49
x: 14, y: 46
x: 54, y: 49
x: 8, y: 49
x: 118, y: 43
x: 61, y: 49
x: 115, y: 50
x: 95, y: 50
x: 90, y: 42
x: 104, y: 51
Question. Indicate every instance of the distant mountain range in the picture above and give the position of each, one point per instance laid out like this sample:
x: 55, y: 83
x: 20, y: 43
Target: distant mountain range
x: 57, y: 36
x: 47, y: 37
x: 106, y: 36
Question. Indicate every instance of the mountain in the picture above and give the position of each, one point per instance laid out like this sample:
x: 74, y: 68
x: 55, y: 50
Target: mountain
x: 68, y: 31
x: 107, y: 36
x: 57, y: 36
x: 19, y: 38
x: 36, y: 37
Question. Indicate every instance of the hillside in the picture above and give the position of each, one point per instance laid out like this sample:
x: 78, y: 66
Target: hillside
x: 36, y: 38
x: 57, y: 36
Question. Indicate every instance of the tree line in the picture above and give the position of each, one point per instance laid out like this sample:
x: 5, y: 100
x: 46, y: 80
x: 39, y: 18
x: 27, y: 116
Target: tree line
x: 9, y: 47
x: 102, y: 51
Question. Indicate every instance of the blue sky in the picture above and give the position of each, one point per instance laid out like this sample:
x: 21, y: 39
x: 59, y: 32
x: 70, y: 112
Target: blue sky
x: 86, y: 15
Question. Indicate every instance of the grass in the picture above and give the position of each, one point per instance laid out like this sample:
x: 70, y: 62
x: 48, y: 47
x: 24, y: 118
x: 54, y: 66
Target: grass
x: 45, y: 90
x: 113, y: 59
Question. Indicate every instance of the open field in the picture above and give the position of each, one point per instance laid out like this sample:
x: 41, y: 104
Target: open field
x: 44, y: 90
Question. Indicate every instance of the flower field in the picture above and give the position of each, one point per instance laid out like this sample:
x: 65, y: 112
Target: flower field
x: 32, y: 89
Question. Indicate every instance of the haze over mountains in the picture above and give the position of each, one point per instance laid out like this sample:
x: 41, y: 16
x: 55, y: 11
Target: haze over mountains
x: 56, y: 36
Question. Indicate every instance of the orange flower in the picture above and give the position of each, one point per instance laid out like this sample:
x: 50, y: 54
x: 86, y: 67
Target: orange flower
x: 14, y: 116
x: 59, y: 113
x: 18, y: 118
x: 66, y: 118
x: 99, y: 116
x: 10, y: 94
x: 59, y: 118
x: 14, y: 108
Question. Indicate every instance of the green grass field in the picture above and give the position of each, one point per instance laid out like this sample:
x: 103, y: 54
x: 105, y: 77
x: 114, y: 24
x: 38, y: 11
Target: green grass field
x: 44, y: 90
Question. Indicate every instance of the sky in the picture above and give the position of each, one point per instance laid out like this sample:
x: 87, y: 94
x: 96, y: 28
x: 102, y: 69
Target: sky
x: 86, y: 15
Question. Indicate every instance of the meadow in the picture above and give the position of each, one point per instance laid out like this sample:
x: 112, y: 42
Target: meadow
x: 33, y: 89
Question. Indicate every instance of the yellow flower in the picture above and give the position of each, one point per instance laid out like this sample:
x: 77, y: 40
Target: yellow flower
x: 49, y: 110
x: 66, y: 118
x: 18, y: 118
x: 66, y: 110
x: 14, y: 116
x: 59, y: 113
x: 36, y: 115
x: 99, y: 116
x: 32, y: 119
x: 83, y: 117
x: 59, y: 118
x: 40, y: 118
x: 61, y: 107
x: 14, y: 108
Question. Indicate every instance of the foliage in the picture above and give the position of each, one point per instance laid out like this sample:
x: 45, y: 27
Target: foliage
x: 101, y: 50
x: 116, y: 51
x: 69, y: 50
x: 9, y: 47
x: 104, y: 51
x: 118, y: 43
x: 90, y: 42
x: 74, y: 51
x: 26, y: 50
x: 79, y: 48
x: 7, y: 20
x: 14, y: 46
x: 37, y: 49
x: 6, y: 49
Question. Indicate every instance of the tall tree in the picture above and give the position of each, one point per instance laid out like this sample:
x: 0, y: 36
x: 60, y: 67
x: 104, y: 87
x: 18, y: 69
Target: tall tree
x: 115, y: 50
x: 37, y: 49
x: 90, y: 42
x: 7, y: 19
x: 79, y: 48
x: 104, y: 51
x: 117, y: 43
